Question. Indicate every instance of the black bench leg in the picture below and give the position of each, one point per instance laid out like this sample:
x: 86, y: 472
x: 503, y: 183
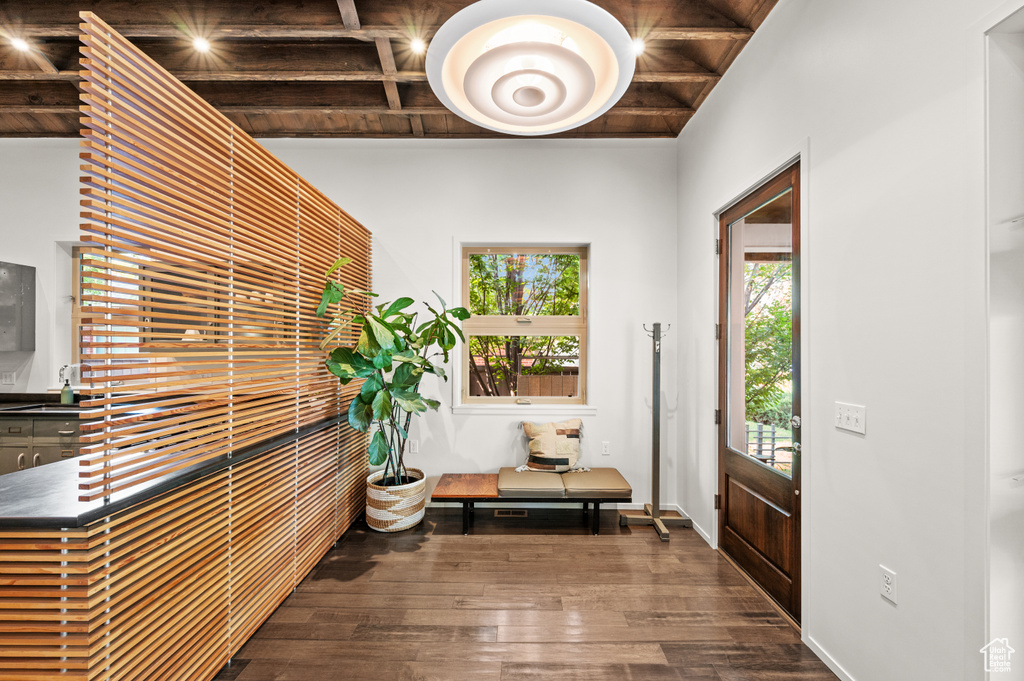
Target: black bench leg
x: 597, y: 517
x: 465, y: 517
x: 586, y: 508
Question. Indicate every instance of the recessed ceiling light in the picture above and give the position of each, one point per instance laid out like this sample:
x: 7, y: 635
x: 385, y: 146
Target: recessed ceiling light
x: 19, y: 44
x: 639, y: 46
x: 530, y: 67
x: 201, y: 44
x: 418, y: 45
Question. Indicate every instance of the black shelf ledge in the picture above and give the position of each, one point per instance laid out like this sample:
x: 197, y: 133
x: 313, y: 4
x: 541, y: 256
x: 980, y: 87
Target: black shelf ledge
x: 46, y: 497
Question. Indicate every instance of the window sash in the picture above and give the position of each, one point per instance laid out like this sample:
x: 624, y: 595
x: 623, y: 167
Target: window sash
x: 529, y: 325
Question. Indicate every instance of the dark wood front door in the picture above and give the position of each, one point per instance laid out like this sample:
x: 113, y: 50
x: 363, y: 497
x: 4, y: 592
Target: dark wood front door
x: 759, y: 387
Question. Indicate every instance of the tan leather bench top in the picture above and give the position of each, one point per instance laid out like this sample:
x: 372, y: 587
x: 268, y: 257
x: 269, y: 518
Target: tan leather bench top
x: 595, y: 483
x: 529, y: 484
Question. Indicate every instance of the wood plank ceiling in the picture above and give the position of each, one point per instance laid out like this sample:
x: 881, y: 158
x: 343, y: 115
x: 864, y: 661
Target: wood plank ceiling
x: 344, y: 68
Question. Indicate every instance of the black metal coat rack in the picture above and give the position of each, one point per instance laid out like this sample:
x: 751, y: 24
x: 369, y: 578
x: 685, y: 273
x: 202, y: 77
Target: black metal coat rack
x: 652, y: 513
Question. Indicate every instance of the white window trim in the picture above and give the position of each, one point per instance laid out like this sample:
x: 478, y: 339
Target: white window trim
x: 456, y: 369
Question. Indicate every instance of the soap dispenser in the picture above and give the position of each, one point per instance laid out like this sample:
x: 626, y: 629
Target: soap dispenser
x: 67, y: 395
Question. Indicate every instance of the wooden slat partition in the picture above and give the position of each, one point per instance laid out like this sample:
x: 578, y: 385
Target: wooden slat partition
x: 206, y: 256
x: 210, y: 254
x: 172, y: 588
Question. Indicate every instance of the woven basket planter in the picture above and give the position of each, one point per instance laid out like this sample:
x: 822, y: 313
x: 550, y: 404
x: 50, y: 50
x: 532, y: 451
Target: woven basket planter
x: 396, y: 507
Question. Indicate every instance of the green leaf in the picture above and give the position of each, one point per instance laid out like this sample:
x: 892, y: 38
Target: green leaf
x: 383, y: 361
x: 409, y: 400
x: 352, y: 363
x: 405, y: 356
x: 340, y: 262
x: 367, y: 345
x: 399, y: 304
x: 433, y: 404
x: 382, y: 332
x: 359, y: 414
x: 459, y: 313
x: 459, y: 332
x: 404, y: 377
x: 378, y: 449
x: 333, y: 293
x: 401, y: 431
x: 381, y: 406
x: 370, y: 387
x: 437, y: 370
x: 443, y: 304
x: 343, y: 376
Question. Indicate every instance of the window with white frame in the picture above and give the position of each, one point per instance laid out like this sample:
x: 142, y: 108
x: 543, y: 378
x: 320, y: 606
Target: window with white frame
x: 526, y: 338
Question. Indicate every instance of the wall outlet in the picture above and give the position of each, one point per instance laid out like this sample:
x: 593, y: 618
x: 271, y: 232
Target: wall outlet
x: 887, y: 586
x: 606, y: 448
x: 414, y: 446
x: 851, y: 417
x: 8, y: 378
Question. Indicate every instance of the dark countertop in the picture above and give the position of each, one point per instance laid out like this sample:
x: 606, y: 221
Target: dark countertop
x: 36, y: 405
x: 36, y: 410
x: 47, y: 496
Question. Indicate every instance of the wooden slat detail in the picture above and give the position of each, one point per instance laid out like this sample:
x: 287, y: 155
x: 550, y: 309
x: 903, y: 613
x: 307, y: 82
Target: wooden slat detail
x: 206, y: 256
x: 209, y: 256
x: 172, y: 588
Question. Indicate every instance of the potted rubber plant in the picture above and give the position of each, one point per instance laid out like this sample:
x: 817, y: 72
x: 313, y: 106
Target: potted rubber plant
x: 394, y: 351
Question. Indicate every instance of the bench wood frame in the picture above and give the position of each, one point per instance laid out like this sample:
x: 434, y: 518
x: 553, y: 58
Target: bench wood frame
x: 467, y: 489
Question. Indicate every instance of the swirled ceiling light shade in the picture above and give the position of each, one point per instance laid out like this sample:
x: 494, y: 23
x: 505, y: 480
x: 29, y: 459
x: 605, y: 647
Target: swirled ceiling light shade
x: 530, y: 67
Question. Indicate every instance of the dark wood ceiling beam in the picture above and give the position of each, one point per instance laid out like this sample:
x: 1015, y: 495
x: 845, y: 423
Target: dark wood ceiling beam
x: 241, y: 76
x: 691, y: 33
x: 367, y: 33
x: 387, y: 65
x: 258, y: 110
x: 330, y: 76
x: 685, y: 77
x: 46, y: 67
x: 349, y: 15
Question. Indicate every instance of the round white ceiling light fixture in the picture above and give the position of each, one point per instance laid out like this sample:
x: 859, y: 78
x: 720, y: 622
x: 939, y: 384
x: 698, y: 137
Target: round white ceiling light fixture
x: 530, y: 67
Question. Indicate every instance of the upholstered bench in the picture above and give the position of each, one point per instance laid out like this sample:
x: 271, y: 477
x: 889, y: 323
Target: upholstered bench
x: 595, y: 486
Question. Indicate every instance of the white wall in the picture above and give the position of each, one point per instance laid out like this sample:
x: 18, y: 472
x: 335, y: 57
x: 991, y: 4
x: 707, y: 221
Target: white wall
x: 39, y: 207
x: 420, y: 197
x: 884, y: 101
x: 1006, y: 359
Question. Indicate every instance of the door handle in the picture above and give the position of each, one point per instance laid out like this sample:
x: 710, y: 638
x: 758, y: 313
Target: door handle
x: 65, y: 432
x: 21, y: 462
x: 796, y: 447
x: 36, y: 460
x: 795, y: 421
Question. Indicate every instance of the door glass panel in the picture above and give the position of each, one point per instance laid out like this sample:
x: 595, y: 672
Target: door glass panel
x: 760, y: 369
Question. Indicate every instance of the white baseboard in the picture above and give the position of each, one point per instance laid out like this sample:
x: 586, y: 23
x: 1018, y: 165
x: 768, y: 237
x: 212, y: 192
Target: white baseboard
x: 561, y: 504
x: 697, y: 528
x: 531, y: 504
x: 836, y: 668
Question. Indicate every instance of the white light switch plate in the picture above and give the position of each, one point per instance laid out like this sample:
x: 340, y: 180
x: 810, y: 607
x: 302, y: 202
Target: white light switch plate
x: 8, y: 378
x: 851, y: 417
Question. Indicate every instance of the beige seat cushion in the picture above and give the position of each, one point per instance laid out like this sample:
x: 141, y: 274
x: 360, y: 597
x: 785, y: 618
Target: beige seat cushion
x: 529, y: 484
x: 597, y: 482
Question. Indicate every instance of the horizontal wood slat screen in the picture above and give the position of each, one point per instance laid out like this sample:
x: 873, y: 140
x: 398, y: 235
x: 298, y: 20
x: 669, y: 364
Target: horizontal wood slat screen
x: 205, y: 263
x: 172, y: 588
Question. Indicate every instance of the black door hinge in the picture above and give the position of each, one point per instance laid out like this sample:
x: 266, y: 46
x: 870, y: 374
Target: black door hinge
x: 718, y: 332
x: 718, y: 246
x: 718, y: 501
x: 718, y: 416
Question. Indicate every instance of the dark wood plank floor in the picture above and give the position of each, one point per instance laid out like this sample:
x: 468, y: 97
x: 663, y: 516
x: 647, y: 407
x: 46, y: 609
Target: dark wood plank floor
x: 524, y: 600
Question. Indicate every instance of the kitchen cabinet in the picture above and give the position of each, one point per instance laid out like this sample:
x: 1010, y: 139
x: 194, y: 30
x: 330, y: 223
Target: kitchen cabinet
x: 27, y: 441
